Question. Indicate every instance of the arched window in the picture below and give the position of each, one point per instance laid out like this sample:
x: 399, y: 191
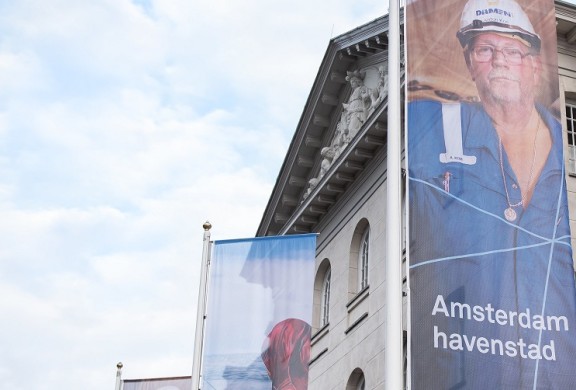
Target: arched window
x: 356, y: 380
x: 325, y: 305
x: 363, y: 259
x: 359, y: 263
x: 322, y: 283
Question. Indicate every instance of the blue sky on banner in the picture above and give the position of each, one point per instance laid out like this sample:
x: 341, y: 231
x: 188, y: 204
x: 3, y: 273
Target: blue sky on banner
x: 124, y: 125
x: 257, y: 269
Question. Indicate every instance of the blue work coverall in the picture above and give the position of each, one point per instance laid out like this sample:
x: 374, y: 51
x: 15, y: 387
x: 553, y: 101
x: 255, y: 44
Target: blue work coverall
x: 493, y: 301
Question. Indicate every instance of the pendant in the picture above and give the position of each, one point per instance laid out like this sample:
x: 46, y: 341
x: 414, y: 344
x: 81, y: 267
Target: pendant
x: 510, y: 214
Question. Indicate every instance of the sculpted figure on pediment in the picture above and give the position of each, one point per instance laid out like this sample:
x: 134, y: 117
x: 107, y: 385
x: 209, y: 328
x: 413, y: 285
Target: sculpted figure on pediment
x: 379, y: 93
x: 327, y: 154
x: 359, y: 102
x: 312, y: 183
x: 340, y: 140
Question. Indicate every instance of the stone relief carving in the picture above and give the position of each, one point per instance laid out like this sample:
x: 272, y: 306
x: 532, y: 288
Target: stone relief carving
x: 359, y: 102
x: 362, y: 102
x: 340, y: 140
x: 381, y: 90
x: 312, y: 183
x: 327, y: 154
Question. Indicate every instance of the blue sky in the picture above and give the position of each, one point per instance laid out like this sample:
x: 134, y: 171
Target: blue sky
x: 124, y: 125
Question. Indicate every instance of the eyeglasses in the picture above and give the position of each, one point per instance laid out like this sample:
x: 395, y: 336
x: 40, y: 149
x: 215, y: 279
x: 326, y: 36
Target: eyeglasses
x: 485, y: 53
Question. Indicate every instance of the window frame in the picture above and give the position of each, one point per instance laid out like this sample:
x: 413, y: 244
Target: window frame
x: 570, y: 110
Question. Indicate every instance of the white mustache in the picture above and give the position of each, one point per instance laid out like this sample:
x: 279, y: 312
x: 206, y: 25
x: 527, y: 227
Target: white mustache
x: 501, y: 74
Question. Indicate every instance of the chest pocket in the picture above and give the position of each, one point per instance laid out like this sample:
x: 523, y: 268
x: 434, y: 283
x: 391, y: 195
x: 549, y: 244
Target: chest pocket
x: 450, y: 183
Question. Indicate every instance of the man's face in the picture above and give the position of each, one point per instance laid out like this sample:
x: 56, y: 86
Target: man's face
x: 502, y: 78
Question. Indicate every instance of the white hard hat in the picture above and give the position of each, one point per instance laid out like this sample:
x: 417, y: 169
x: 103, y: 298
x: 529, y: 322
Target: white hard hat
x: 498, y: 16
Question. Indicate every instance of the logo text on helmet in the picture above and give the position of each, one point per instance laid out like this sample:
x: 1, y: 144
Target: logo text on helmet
x: 493, y: 11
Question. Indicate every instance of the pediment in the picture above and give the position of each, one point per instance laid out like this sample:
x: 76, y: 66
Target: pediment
x: 342, y: 128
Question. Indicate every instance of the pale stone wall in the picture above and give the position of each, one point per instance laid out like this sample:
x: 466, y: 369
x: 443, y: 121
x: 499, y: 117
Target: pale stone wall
x: 361, y: 346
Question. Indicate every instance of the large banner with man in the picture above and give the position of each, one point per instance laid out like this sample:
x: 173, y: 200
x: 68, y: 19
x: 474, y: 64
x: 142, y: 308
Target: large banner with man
x: 492, y: 296
x: 259, y: 313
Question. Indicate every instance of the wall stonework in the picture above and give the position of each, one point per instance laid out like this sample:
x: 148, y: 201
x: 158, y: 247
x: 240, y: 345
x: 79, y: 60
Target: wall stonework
x: 356, y: 327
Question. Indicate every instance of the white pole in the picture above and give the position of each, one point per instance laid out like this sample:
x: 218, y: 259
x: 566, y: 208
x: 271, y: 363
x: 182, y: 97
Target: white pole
x: 201, y: 312
x: 119, y: 376
x: 393, y: 372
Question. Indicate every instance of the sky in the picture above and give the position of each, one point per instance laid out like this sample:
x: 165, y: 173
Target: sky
x: 124, y: 126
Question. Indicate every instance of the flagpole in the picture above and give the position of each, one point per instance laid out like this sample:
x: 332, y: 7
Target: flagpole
x: 201, y: 310
x: 119, y: 376
x: 393, y: 372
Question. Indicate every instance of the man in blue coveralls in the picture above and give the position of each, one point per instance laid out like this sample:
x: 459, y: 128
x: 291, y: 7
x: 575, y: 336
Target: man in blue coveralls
x: 492, y: 283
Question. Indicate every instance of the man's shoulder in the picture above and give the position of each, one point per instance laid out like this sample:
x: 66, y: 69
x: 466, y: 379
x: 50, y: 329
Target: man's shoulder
x: 423, y: 104
x: 426, y: 122
x: 424, y: 125
x: 422, y: 112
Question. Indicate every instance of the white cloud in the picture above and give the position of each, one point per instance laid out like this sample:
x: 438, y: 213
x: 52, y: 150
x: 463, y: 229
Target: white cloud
x: 123, y: 127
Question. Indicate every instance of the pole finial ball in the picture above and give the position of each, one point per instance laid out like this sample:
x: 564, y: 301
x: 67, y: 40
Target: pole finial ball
x: 119, y: 365
x: 207, y: 225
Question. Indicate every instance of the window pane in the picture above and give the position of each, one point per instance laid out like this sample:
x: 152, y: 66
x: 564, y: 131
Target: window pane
x: 570, y: 124
x: 326, y: 298
x: 571, y: 136
x: 363, y: 260
x: 361, y: 384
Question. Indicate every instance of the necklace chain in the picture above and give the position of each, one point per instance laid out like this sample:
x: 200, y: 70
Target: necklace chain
x: 530, y: 177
